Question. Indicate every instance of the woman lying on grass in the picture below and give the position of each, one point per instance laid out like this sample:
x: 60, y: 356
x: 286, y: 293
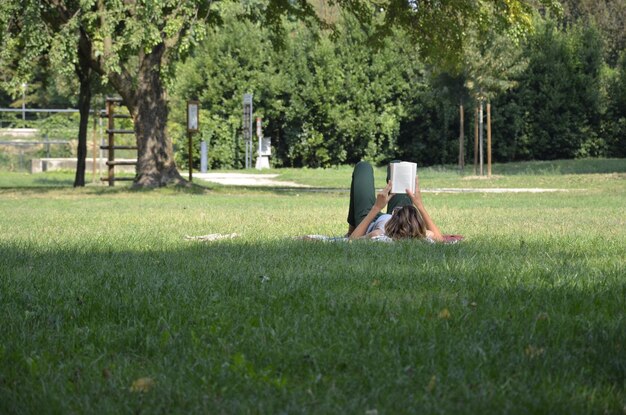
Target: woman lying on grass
x: 406, y: 215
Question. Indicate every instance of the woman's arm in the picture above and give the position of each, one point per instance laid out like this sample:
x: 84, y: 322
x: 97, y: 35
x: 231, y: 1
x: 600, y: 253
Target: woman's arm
x: 381, y: 201
x: 417, y: 201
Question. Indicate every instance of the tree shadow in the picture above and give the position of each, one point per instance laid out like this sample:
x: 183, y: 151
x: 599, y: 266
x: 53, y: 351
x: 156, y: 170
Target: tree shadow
x: 43, y: 186
x: 247, y: 312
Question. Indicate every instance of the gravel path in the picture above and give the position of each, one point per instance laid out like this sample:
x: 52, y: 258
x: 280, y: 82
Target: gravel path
x: 245, y: 179
x: 268, y: 180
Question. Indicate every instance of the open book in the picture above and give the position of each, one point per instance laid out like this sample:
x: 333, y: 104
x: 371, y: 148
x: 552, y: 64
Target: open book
x: 403, y: 176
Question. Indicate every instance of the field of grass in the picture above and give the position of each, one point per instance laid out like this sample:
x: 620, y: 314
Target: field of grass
x: 106, y: 308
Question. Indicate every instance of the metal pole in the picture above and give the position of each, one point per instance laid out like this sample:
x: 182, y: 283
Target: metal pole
x: 247, y: 127
x: 24, y: 85
x: 249, y: 154
x: 259, y: 134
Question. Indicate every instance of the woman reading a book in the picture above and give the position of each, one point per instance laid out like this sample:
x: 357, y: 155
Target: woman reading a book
x: 406, y: 215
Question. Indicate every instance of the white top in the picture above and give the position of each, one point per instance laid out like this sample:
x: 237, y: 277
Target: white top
x: 379, y: 223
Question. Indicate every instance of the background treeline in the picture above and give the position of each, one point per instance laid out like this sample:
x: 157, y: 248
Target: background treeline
x: 330, y: 97
x: 335, y: 97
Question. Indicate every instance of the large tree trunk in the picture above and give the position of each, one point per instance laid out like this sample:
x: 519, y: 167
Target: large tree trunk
x: 148, y: 106
x: 84, y: 104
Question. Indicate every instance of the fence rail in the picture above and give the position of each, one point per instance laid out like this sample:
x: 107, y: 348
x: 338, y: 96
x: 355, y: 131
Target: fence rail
x: 33, y: 143
x: 41, y: 110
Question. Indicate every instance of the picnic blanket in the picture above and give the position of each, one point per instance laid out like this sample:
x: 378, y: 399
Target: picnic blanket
x: 448, y: 239
x: 211, y: 237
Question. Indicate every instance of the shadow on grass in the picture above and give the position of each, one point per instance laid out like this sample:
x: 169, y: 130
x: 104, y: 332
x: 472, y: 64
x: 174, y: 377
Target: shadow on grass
x: 52, y: 182
x: 269, y: 324
x: 102, y: 190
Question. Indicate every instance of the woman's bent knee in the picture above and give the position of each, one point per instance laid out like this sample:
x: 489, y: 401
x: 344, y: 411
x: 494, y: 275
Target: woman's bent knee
x: 363, y: 166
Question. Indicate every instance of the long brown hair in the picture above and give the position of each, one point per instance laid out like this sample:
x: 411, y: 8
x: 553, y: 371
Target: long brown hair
x: 405, y: 223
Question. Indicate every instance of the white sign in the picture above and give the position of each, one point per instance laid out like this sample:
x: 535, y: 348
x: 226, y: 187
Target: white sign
x: 266, y: 147
x: 192, y: 115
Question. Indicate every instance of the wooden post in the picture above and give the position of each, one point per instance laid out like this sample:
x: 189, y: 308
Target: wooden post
x: 461, y: 139
x: 111, y: 153
x: 481, y: 139
x: 190, y: 157
x: 476, y: 141
x: 94, y: 144
x: 488, y: 139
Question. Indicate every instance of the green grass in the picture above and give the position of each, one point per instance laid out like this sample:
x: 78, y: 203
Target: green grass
x: 98, y: 288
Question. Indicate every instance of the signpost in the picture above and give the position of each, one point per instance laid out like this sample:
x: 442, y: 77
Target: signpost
x: 193, y: 119
x: 247, y: 127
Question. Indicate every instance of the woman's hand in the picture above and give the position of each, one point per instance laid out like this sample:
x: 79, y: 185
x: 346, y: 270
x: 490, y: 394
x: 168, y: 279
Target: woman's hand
x: 383, y: 197
x: 433, y: 231
x: 416, y: 197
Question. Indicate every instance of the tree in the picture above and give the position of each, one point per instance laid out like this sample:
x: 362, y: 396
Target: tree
x: 615, y: 120
x: 490, y: 68
x: 132, y: 45
x: 556, y: 109
x: 85, y: 79
x: 129, y: 44
x: 608, y: 16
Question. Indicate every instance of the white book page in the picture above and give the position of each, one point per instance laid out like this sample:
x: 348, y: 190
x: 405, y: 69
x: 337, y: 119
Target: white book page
x: 403, y: 177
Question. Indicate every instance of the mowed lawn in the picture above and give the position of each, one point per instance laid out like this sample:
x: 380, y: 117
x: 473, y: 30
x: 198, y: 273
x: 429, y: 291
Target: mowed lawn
x: 105, y: 307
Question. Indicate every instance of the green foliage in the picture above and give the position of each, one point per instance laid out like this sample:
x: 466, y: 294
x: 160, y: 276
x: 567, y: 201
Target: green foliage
x: 324, y: 102
x: 328, y: 98
x: 614, y: 123
x: 556, y: 109
x: 491, y: 65
x: 428, y: 134
x: 370, y: 87
x: 222, y: 70
x: 608, y: 16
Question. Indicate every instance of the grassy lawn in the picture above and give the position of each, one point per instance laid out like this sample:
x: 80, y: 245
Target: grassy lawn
x: 106, y: 308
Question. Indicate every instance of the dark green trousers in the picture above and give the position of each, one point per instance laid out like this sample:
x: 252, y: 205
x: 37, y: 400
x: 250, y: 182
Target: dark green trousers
x: 363, y: 194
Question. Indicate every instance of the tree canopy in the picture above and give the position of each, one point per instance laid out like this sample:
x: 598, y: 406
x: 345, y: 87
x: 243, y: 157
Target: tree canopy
x: 133, y: 44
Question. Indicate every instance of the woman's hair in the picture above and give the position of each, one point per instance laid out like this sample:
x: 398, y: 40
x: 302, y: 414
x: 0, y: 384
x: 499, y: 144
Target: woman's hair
x: 405, y: 223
